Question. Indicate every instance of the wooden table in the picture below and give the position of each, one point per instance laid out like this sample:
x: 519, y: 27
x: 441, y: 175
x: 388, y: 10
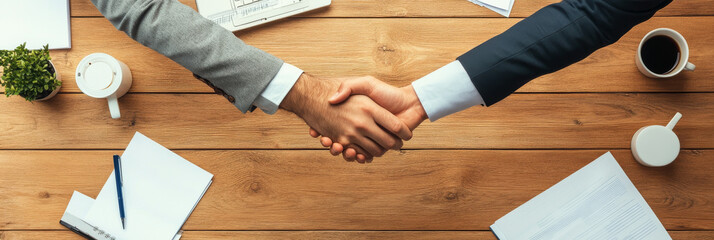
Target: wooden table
x: 453, y: 180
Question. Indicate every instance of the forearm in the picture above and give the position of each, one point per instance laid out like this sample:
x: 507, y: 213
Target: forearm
x: 308, y: 96
x: 551, y: 39
x: 206, y: 49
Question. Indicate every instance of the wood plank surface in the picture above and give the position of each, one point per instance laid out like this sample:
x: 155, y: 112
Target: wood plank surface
x: 324, y: 235
x: 208, y: 121
x: 398, y: 51
x: 455, y: 178
x: 311, y: 190
x: 430, y: 8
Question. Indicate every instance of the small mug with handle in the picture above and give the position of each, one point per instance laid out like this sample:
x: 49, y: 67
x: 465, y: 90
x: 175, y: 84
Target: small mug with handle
x: 663, y: 53
x: 656, y: 145
x: 100, y: 75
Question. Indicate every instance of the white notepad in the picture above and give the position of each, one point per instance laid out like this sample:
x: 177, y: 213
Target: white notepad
x: 596, y: 202
x: 37, y: 22
x: 161, y: 189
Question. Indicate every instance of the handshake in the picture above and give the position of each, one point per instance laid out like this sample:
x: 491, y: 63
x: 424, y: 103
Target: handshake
x: 360, y: 117
x: 363, y: 117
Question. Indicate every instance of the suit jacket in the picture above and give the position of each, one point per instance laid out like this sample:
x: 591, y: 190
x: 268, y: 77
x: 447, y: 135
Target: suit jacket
x: 239, y: 71
x: 550, y: 39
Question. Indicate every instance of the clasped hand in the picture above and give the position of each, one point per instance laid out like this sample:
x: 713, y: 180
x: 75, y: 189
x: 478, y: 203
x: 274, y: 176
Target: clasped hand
x: 363, y: 119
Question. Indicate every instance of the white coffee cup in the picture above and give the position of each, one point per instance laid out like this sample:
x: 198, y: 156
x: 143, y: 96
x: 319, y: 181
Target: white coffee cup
x: 656, y: 145
x: 102, y: 76
x: 682, y: 63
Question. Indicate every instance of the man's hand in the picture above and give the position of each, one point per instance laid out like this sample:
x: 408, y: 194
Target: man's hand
x: 402, y: 102
x: 358, y: 123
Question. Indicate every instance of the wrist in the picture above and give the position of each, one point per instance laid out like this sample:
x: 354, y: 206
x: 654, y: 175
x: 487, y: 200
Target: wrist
x: 308, y: 94
x: 296, y: 95
x: 414, y: 105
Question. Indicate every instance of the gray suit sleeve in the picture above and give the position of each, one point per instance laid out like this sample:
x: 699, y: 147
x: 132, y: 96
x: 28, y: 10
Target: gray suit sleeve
x: 203, y: 47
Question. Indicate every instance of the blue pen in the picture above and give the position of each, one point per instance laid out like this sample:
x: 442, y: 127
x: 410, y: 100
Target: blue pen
x: 120, y: 189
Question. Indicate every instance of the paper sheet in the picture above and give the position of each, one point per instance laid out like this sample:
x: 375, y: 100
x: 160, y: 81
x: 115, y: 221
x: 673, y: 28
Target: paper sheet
x: 502, y: 4
x: 37, y: 22
x: 160, y: 191
x: 596, y: 202
x: 506, y: 11
x: 79, y: 204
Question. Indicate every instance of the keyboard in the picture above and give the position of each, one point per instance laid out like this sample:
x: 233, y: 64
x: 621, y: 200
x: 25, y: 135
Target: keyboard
x: 235, y: 15
x: 245, y: 8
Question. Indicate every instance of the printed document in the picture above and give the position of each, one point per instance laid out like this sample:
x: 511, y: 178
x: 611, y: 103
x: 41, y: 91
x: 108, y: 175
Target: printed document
x: 596, y: 202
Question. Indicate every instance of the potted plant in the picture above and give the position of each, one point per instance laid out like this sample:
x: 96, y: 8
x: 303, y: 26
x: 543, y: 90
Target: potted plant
x: 29, y: 73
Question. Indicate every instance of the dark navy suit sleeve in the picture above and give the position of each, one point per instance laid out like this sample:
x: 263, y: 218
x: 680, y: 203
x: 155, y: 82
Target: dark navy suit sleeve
x: 551, y: 39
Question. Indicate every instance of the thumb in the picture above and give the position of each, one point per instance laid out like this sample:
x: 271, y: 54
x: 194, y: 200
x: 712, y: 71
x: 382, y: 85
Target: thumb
x: 351, y: 87
x: 343, y: 92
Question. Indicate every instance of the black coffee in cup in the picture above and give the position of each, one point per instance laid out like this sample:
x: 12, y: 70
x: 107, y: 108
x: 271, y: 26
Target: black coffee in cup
x: 660, y: 54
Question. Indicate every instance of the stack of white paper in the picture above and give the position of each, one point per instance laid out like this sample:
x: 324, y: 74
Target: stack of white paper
x: 502, y: 7
x: 161, y: 189
x: 596, y: 202
x: 36, y: 22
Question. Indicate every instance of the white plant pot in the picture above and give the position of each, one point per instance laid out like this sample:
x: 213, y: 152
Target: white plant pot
x: 54, y: 92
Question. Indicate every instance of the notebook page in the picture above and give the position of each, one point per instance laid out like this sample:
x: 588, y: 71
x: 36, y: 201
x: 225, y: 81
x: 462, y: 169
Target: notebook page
x: 79, y: 204
x: 596, y: 202
x: 160, y: 191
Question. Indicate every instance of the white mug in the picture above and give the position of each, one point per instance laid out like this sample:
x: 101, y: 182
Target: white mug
x: 682, y: 63
x: 102, y: 76
x: 656, y: 145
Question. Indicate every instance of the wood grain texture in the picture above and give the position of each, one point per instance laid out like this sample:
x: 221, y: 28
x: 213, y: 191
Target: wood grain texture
x: 322, y: 235
x: 430, y: 8
x: 398, y: 51
x: 208, y: 121
x: 528, y: 142
x: 311, y: 190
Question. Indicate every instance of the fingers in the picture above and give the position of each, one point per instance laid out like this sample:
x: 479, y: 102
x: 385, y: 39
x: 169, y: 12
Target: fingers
x: 362, y: 86
x: 336, y: 149
x: 392, y: 123
x: 361, y: 158
x: 366, y: 160
x: 314, y: 133
x: 355, y: 152
x: 326, y: 142
x: 371, y: 147
x: 350, y: 154
x: 384, y: 139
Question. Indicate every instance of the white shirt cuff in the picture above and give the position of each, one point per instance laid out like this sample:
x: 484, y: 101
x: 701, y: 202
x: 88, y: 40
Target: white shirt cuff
x: 447, y: 90
x: 269, y: 100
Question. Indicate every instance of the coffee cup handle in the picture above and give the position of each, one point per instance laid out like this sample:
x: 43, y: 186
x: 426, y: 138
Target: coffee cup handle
x: 674, y: 121
x: 689, y: 67
x: 114, y: 106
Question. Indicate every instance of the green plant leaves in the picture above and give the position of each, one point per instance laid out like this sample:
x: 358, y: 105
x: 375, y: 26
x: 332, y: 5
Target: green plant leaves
x: 26, y: 72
